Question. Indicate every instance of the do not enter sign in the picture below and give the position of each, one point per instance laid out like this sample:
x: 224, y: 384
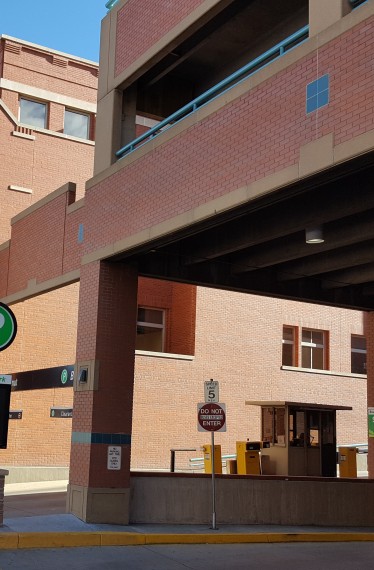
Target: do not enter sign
x: 211, y: 417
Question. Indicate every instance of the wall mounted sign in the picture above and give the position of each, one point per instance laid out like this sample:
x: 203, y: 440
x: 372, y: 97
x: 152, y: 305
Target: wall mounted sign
x: 8, y: 326
x: 61, y: 413
x: 114, y: 458
x: 57, y: 377
x: 5, y: 386
x: 371, y: 422
x: 15, y: 414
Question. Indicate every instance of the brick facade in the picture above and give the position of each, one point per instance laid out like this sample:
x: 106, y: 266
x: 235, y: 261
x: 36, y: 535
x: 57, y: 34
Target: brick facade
x: 158, y: 185
x: 231, y: 337
x: 35, y: 162
x: 155, y: 24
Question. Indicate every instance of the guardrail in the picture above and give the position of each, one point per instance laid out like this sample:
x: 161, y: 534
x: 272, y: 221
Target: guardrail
x: 228, y: 83
x: 361, y: 447
x: 198, y: 462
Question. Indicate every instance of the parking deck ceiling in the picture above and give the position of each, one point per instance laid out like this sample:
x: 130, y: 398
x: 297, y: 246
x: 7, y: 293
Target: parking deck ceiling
x: 260, y: 247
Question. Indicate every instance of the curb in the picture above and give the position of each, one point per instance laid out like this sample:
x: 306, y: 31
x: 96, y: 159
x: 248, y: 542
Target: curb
x: 13, y: 541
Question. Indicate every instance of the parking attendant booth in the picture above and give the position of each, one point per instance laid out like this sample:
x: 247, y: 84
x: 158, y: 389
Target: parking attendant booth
x: 302, y: 438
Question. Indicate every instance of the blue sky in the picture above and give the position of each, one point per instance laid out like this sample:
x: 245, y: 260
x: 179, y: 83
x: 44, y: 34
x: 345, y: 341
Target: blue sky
x: 71, y: 26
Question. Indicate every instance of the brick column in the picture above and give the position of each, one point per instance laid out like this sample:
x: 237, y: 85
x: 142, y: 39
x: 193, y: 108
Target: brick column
x: 369, y: 333
x: 102, y: 415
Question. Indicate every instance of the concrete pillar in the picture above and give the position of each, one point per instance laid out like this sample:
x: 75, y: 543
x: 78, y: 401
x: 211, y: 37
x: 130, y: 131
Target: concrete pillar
x: 324, y: 13
x: 108, y: 130
x: 99, y: 491
x: 369, y: 333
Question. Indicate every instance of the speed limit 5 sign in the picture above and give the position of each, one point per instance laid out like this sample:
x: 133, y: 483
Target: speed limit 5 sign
x: 211, y: 391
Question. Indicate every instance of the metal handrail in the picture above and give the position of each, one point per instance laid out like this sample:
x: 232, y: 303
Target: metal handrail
x: 357, y: 3
x: 243, y: 73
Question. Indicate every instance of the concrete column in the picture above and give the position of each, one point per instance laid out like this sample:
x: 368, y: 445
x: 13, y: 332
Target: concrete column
x: 108, y: 130
x: 369, y: 333
x: 324, y: 13
x: 103, y: 393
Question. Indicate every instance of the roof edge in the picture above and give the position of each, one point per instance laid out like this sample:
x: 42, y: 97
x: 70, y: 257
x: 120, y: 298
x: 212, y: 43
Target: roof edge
x: 49, y: 50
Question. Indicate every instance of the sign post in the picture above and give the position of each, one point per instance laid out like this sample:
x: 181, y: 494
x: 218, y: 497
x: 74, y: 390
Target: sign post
x: 212, y: 417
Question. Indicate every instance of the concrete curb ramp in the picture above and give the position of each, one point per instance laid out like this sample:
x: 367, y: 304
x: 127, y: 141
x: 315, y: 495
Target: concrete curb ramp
x: 11, y: 541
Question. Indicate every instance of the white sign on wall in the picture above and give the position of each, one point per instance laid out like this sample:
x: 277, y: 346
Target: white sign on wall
x: 114, y: 457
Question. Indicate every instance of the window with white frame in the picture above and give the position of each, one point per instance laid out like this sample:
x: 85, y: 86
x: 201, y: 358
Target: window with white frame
x: 314, y: 349
x: 358, y: 354
x: 76, y: 124
x: 289, y: 346
x: 33, y: 113
x: 150, y: 330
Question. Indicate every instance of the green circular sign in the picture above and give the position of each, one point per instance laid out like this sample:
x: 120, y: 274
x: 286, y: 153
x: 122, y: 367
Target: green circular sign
x: 64, y: 376
x: 8, y: 326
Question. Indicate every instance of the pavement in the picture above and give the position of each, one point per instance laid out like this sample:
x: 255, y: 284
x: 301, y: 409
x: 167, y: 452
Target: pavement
x: 34, y: 517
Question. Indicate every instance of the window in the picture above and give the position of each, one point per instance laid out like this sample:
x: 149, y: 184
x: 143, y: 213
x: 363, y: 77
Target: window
x: 76, y: 124
x: 313, y: 349
x: 150, y: 330
x: 288, y: 346
x: 317, y: 93
x: 296, y: 427
x: 273, y: 425
x: 33, y: 113
x: 358, y: 354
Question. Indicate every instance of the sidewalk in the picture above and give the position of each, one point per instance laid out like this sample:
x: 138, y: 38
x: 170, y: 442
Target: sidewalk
x: 26, y: 527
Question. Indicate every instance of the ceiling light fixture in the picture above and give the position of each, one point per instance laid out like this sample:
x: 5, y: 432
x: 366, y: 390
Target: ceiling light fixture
x: 314, y: 235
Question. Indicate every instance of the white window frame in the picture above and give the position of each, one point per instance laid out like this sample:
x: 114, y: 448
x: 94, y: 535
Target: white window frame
x: 312, y: 345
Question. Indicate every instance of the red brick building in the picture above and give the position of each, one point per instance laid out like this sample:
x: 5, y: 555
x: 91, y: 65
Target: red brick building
x: 42, y: 91
x: 219, y: 198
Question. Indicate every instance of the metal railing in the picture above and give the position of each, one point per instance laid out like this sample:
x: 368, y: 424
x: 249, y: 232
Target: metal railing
x: 357, y: 3
x: 228, y: 83
x: 198, y: 462
x: 172, y: 456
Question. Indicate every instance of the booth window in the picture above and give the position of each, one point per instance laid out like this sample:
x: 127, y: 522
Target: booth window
x: 273, y: 425
x: 150, y: 330
x: 358, y: 354
x: 313, y: 349
x: 288, y: 346
x: 33, y: 113
x: 304, y: 428
x: 296, y: 425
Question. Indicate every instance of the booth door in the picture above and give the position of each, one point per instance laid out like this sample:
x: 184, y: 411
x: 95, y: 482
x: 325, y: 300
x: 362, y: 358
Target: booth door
x: 328, y: 443
x: 313, y: 443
